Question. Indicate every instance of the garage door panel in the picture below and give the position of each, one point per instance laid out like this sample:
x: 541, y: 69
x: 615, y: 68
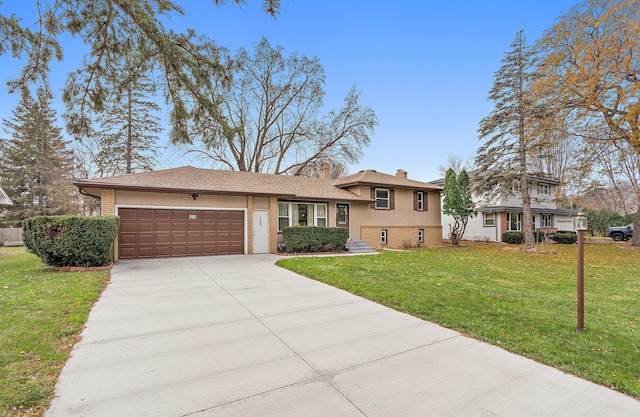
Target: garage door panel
x: 179, y: 250
x: 127, y: 226
x: 147, y: 233
x: 179, y: 214
x: 144, y: 214
x: 194, y: 226
x: 163, y: 250
x: 162, y: 214
x: 144, y: 252
x: 179, y: 226
x: 163, y: 238
x: 145, y: 226
x: 129, y: 252
x: 179, y: 237
x: 146, y: 238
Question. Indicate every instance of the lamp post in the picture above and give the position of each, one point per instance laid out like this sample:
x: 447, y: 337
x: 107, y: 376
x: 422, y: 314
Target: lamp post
x: 580, y: 224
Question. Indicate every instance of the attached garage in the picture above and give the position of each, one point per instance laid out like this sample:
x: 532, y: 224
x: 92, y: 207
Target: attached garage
x: 154, y: 233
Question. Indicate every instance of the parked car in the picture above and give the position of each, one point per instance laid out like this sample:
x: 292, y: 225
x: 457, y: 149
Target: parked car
x: 621, y: 232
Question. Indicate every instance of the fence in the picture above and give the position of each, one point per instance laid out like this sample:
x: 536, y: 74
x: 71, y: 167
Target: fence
x: 13, y: 234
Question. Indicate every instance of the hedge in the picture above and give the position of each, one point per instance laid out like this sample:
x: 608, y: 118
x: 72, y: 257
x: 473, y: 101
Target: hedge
x: 315, y: 239
x: 565, y: 236
x: 71, y: 240
x: 517, y: 238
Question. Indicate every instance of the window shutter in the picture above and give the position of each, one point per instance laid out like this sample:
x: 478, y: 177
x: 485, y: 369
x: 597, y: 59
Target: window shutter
x: 373, y: 197
x: 392, y: 199
x: 415, y: 200
x: 425, y: 200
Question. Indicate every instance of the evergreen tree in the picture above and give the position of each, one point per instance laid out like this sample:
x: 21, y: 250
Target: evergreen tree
x: 37, y: 165
x: 187, y: 64
x: 129, y: 125
x: 502, y: 161
x: 458, y: 203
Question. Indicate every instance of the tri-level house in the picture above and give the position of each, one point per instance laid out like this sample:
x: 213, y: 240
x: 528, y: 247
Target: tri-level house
x: 191, y: 211
x: 504, y: 213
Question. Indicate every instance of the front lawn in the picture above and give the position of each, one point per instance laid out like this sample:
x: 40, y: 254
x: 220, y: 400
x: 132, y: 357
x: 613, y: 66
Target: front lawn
x: 525, y: 303
x: 42, y: 313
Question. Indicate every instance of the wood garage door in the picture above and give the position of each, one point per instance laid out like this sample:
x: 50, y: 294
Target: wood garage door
x: 154, y: 233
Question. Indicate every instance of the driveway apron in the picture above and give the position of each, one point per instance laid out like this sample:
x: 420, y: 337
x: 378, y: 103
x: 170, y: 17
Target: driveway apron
x: 239, y: 336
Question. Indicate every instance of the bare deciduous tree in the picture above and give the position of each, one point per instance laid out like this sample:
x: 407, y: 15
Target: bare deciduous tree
x: 274, y: 117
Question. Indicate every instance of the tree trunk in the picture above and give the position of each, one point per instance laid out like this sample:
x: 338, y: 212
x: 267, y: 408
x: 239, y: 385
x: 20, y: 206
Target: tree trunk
x: 129, y: 133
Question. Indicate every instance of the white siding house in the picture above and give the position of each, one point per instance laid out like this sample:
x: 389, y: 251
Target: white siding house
x: 505, y: 213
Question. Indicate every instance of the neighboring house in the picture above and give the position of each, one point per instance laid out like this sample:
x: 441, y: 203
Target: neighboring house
x: 505, y: 213
x: 193, y: 211
x: 4, y: 198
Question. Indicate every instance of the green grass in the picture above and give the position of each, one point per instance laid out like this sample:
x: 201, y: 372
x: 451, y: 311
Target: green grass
x: 523, y: 302
x: 42, y: 313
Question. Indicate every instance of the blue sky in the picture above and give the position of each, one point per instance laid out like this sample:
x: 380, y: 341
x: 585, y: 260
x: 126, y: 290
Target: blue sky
x: 424, y: 66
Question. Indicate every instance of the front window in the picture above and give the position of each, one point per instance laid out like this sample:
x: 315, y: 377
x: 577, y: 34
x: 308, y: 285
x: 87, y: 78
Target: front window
x: 489, y: 219
x: 321, y: 215
x: 546, y: 220
x: 383, y: 236
x: 543, y: 188
x: 301, y: 214
x: 514, y: 222
x: 420, y: 201
x: 420, y: 235
x: 382, y: 198
x: 283, y: 215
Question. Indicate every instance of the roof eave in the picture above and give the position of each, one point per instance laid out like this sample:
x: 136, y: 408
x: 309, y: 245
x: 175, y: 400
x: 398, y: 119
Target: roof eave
x: 431, y: 187
x: 83, y: 185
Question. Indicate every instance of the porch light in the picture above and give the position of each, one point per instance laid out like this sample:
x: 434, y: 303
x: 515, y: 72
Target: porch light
x: 580, y: 222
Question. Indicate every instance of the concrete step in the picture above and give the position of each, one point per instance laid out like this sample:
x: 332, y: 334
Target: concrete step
x: 358, y: 246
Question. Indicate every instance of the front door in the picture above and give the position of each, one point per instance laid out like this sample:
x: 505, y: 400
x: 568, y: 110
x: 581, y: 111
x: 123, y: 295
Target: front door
x: 342, y: 215
x: 260, y: 231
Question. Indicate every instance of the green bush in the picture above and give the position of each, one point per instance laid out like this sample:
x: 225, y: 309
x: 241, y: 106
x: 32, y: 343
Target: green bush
x: 71, y: 240
x: 565, y: 236
x: 315, y: 239
x: 515, y: 238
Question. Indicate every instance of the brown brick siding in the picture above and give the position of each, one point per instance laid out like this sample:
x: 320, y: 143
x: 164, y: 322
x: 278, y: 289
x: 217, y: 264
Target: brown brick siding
x: 108, y: 203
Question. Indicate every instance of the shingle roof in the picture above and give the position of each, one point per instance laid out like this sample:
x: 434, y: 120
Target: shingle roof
x: 371, y: 177
x: 190, y: 179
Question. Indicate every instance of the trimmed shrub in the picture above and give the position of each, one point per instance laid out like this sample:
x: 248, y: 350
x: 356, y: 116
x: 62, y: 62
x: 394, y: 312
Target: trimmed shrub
x: 71, y: 240
x: 315, y: 239
x: 515, y: 238
x: 566, y: 237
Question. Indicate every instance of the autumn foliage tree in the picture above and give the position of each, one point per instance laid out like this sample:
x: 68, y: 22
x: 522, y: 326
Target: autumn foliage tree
x: 590, y: 74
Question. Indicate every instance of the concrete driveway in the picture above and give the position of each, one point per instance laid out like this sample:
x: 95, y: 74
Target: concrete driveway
x: 238, y: 336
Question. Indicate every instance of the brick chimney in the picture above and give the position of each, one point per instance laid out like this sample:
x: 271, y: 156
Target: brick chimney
x: 401, y: 173
x: 325, y: 170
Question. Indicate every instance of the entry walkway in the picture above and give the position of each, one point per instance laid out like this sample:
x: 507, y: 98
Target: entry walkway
x: 238, y: 336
